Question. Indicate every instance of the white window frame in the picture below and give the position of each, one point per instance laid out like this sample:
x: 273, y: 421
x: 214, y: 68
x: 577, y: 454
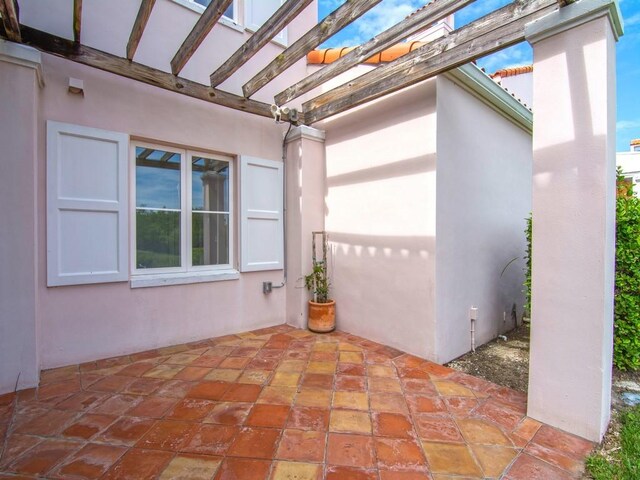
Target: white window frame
x: 187, y: 272
x: 224, y: 20
x: 280, y: 38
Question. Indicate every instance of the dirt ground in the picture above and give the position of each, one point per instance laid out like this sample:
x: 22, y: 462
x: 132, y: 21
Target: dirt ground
x: 507, y: 363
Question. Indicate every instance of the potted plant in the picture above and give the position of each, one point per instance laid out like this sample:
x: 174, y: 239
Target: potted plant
x: 322, y: 310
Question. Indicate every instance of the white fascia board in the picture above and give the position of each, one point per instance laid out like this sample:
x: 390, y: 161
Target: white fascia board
x: 23, y: 55
x: 479, y: 84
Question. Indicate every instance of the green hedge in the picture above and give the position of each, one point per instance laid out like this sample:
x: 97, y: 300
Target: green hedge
x: 626, y: 345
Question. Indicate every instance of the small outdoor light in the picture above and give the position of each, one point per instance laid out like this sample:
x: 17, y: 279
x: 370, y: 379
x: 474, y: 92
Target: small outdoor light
x: 76, y: 86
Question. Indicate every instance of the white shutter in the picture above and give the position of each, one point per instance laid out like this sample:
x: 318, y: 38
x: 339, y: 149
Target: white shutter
x: 261, y: 235
x: 87, y: 192
x: 259, y: 11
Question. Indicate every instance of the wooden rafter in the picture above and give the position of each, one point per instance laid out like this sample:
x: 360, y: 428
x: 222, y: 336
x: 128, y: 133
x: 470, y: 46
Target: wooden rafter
x: 486, y: 35
x: 332, y: 23
x: 144, y: 12
x: 10, y: 19
x: 201, y: 29
x: 285, y: 14
x: 77, y: 20
x: 422, y: 19
x: 121, y: 66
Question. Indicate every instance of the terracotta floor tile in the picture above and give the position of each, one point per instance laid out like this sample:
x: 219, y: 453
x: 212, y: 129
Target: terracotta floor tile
x: 301, y: 446
x: 295, y: 366
x: 394, y: 453
x: 48, y: 423
x: 139, y: 464
x: 350, y: 400
x: 351, y: 450
x: 556, y: 458
x: 166, y: 372
x: 563, y: 442
x: 461, y: 406
x: 323, y: 356
x: 493, y: 460
x: 211, y: 439
x: 451, y: 459
x: 327, y: 346
x: 527, y: 428
x: 424, y: 404
x: 449, y: 388
x: 256, y: 377
x: 88, y: 425
x: 350, y: 383
x: 437, y: 428
x: 528, y: 468
x: 15, y: 446
x: 413, y: 373
x: 392, y: 425
x: 255, y: 442
x: 191, y: 409
x: 476, y: 430
x: 207, y: 360
x: 350, y: 421
x: 314, y: 397
x: 43, y: 457
x: 58, y: 374
x: 351, y: 357
x: 92, y: 461
x: 277, y: 395
x: 420, y: 387
x: 388, y: 402
x: 136, y: 369
x: 126, y: 431
x: 264, y: 415
x: 209, y: 390
x: 317, y: 380
x: 349, y: 473
x: 246, y: 351
x: 153, y: 407
x: 81, y: 401
x: 285, y: 379
x: 58, y: 390
x: 395, y: 475
x: 174, y: 388
x: 309, y: 418
x: 384, y: 384
x: 351, y: 369
x: 111, y: 384
x: 192, y: 374
x: 191, y: 467
x: 242, y: 393
x: 324, y: 367
x: 374, y: 370
x: 167, y: 435
x: 117, y: 404
x: 228, y: 413
x: 296, y: 471
x: 499, y: 414
x: 143, y: 386
x: 235, y: 362
x: 223, y: 374
x: 243, y: 469
x: 269, y: 353
x: 345, y: 346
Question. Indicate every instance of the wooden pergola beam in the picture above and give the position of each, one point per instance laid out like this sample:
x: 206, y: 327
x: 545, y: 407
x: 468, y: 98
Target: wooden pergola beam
x: 200, y: 30
x: 332, y: 23
x: 10, y: 19
x: 79, y: 53
x: 77, y: 20
x: 422, y: 19
x: 498, y: 30
x: 144, y: 12
x: 280, y: 19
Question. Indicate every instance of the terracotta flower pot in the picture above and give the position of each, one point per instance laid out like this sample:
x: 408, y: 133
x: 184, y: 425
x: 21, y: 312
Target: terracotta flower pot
x: 322, y: 316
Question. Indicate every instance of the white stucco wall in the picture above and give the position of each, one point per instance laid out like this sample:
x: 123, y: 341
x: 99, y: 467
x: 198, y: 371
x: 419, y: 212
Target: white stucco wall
x: 380, y: 215
x: 483, y: 197
x: 521, y: 86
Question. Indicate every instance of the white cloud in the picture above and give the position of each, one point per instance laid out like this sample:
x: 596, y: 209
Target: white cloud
x: 632, y: 20
x: 628, y: 124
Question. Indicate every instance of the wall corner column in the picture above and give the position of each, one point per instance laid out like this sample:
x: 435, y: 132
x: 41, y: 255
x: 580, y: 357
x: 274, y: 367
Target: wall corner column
x: 573, y: 216
x: 305, y: 212
x: 20, y: 81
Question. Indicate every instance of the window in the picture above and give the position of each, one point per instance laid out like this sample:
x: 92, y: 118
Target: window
x: 257, y: 12
x: 229, y: 12
x: 183, y: 210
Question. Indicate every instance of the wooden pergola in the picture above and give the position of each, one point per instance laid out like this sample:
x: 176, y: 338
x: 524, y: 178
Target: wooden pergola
x: 497, y: 30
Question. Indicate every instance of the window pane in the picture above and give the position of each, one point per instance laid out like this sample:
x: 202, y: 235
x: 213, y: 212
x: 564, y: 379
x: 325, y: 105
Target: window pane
x: 210, y: 185
x: 157, y: 239
x: 227, y: 13
x: 210, y: 233
x: 157, y: 178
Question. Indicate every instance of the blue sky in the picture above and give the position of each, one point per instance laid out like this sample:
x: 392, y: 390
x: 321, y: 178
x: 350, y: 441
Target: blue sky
x: 389, y: 12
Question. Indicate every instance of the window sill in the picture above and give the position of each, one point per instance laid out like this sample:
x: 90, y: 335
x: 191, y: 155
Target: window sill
x: 194, y: 7
x: 166, y: 279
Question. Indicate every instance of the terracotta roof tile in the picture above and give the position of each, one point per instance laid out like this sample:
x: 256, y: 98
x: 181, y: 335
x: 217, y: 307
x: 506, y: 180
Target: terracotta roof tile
x: 329, y: 55
x: 510, y: 72
x: 635, y: 142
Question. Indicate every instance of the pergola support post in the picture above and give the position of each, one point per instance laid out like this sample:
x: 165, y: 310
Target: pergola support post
x: 573, y: 216
x: 305, y: 209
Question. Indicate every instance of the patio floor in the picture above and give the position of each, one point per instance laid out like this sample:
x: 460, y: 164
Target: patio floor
x: 280, y: 404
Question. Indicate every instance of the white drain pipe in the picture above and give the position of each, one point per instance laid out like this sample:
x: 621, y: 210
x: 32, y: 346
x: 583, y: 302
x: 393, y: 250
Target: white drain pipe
x: 473, y: 316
